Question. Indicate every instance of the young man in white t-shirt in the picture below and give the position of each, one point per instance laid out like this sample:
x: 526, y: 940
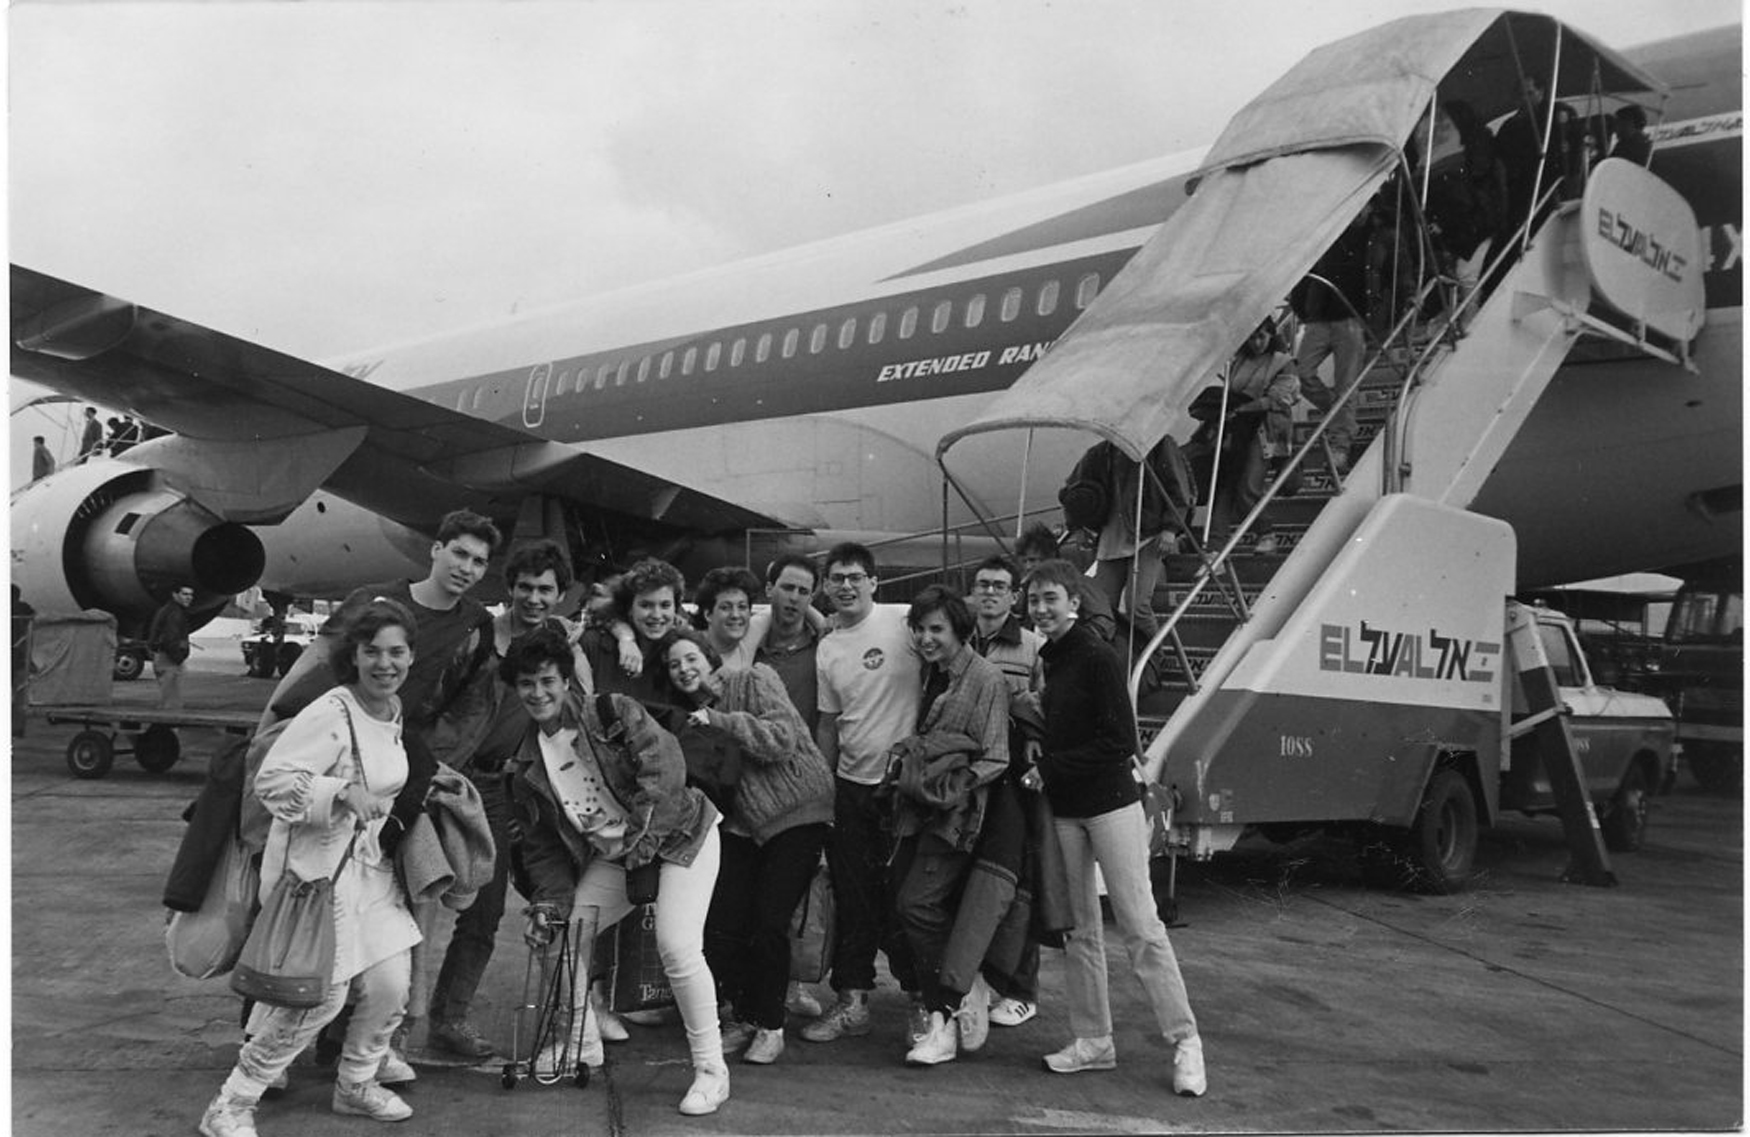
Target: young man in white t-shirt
x: 870, y: 680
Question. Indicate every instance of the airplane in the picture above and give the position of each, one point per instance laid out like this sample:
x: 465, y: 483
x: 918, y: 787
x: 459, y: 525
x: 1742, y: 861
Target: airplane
x: 787, y: 402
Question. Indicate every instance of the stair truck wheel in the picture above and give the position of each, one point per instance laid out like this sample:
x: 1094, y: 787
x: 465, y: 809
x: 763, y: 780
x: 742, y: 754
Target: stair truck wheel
x: 1442, y: 843
x: 90, y: 754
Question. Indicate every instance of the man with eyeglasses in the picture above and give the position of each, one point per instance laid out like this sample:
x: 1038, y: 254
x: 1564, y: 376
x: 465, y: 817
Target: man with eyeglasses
x: 870, y: 677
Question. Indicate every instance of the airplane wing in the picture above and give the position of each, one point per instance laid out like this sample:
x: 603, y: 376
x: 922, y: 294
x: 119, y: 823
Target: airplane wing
x: 412, y: 462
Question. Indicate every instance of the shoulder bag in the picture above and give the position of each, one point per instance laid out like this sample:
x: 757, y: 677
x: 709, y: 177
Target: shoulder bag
x: 288, y: 960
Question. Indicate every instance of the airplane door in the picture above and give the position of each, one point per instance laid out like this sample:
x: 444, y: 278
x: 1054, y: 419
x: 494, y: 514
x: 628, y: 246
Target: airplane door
x: 535, y: 399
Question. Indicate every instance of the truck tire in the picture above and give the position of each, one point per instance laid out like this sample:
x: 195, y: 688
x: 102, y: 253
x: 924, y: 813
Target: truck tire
x: 128, y: 666
x: 1717, y: 770
x: 1440, y: 848
x: 1624, y: 823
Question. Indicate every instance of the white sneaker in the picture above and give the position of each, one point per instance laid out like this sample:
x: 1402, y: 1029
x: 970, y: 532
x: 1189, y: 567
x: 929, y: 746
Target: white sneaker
x: 1012, y: 1012
x: 709, y: 1090
x: 368, y: 1099
x: 765, y: 1047
x: 973, y: 1017
x: 917, y: 1022
x: 940, y: 1043
x: 227, y: 1116
x: 1083, y: 1054
x: 735, y: 1034
x: 1189, y: 1080
x: 394, y: 1070
x: 607, y: 1022
x: 799, y: 1000
x: 560, y: 1058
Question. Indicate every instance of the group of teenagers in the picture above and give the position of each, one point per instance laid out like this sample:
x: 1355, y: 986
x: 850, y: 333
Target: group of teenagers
x: 919, y: 748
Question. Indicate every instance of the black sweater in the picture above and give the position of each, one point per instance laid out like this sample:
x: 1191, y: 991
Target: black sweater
x: 1090, y: 732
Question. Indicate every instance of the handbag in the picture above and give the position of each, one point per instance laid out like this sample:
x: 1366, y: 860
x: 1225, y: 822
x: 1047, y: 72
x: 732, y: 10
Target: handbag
x: 812, y: 928
x: 288, y: 959
x: 713, y: 762
x: 207, y: 941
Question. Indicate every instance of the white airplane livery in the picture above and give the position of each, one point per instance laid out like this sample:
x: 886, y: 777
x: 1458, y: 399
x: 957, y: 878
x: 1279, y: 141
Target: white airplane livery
x: 800, y: 398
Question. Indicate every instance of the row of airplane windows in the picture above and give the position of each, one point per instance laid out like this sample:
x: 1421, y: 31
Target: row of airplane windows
x: 941, y: 317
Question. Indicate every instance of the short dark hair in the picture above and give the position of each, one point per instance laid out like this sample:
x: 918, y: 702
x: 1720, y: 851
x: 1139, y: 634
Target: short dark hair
x: 1037, y: 538
x: 941, y: 598
x: 532, y: 558
x: 1632, y: 115
x: 729, y: 578
x: 361, y: 628
x: 850, y: 553
x: 467, y: 523
x: 532, y: 650
x: 647, y: 575
x: 36, y: 438
x: 997, y: 562
x: 1056, y: 571
x: 792, y: 560
x: 677, y: 635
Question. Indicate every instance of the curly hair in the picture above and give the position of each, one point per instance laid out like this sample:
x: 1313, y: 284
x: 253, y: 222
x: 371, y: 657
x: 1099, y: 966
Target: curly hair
x: 532, y: 650
x: 647, y: 575
x: 729, y: 578
x: 361, y: 628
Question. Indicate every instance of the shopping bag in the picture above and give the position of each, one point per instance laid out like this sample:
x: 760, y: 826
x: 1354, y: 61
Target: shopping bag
x: 635, y: 980
x: 207, y: 941
x: 811, y: 930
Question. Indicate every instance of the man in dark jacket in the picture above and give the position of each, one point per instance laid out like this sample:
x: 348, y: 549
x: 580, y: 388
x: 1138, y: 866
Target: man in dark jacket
x: 168, y: 638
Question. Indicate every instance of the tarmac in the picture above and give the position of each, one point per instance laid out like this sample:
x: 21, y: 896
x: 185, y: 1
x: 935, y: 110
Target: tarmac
x: 1521, y: 1004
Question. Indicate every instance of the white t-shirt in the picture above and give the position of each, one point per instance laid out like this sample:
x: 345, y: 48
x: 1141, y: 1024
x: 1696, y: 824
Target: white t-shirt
x: 871, y: 676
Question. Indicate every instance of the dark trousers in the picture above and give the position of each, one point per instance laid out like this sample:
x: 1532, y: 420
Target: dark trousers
x: 747, y: 933
x: 931, y: 875
x: 861, y: 840
x: 476, y: 931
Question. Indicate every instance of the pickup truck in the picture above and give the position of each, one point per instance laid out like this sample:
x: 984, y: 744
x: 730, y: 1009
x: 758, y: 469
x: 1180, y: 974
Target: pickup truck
x: 264, y: 658
x: 1626, y: 742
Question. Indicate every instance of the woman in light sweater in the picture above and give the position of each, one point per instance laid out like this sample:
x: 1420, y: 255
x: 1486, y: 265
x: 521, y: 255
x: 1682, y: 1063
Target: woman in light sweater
x: 772, y: 836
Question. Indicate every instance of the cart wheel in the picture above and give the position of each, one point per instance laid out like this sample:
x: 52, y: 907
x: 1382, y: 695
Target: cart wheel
x: 157, y: 748
x: 90, y: 754
x: 581, y: 1078
x: 509, y: 1078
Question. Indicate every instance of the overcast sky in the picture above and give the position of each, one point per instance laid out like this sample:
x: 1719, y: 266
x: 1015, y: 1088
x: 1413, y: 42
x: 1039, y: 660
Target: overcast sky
x: 323, y: 177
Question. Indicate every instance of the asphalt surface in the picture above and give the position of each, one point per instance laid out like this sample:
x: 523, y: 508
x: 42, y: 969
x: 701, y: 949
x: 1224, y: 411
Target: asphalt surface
x: 1520, y: 1004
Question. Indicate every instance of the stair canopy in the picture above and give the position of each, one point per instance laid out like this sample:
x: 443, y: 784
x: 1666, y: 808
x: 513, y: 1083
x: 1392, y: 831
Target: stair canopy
x: 1283, y: 180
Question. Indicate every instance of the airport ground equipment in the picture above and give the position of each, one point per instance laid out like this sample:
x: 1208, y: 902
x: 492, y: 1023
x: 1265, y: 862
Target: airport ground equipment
x: 544, y: 1015
x: 148, y: 735
x: 1701, y: 675
x: 1339, y: 656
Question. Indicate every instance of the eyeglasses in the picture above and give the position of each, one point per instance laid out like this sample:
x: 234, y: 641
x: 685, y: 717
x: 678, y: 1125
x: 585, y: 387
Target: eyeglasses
x: 852, y: 578
x: 992, y: 586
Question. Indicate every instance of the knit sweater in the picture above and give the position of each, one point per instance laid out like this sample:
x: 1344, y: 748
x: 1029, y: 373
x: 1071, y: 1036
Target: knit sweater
x: 784, y: 780
x: 1090, y: 732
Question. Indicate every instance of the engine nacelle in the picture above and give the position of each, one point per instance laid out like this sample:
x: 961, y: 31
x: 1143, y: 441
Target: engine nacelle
x: 114, y: 536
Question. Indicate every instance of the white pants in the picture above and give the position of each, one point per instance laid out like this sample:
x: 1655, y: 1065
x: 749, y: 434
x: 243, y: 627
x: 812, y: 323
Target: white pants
x: 682, y: 900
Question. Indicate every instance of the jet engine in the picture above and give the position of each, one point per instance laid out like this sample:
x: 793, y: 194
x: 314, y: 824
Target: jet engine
x: 114, y: 536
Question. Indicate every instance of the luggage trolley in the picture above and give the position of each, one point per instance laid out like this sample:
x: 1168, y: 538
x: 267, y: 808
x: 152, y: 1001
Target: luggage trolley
x: 549, y: 980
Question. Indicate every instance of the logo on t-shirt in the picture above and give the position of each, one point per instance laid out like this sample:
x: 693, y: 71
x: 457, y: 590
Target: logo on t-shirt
x: 873, y: 659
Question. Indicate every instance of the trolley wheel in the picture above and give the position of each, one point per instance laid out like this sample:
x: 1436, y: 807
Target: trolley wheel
x: 508, y: 1079
x: 581, y: 1078
x: 157, y: 748
x: 90, y: 754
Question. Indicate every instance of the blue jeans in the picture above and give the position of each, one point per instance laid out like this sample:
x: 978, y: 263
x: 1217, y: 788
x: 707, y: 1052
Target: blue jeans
x: 1344, y: 342
x: 1118, y: 842
x: 277, y: 1035
x: 470, y: 947
x: 747, y: 934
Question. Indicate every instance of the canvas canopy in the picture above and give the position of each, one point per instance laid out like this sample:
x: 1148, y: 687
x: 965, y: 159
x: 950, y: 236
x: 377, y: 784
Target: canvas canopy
x: 1291, y: 170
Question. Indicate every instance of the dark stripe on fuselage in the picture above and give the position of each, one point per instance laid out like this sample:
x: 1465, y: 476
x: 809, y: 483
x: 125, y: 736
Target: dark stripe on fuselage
x: 927, y: 365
